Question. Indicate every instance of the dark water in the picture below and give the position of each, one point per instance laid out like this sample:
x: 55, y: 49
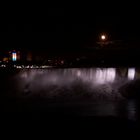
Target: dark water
x: 84, y: 92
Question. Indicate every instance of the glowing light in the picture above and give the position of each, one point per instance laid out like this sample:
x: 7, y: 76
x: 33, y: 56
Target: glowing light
x: 103, y: 37
x: 14, y: 56
x: 105, y: 75
x: 131, y: 73
x: 18, y: 67
x: 3, y: 66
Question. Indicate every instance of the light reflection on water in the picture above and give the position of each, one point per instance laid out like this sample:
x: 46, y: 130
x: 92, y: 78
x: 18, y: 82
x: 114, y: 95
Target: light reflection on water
x: 131, y: 110
x: 100, y: 84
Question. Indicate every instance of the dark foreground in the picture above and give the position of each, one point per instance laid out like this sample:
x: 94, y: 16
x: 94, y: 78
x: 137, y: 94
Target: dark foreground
x: 78, y: 100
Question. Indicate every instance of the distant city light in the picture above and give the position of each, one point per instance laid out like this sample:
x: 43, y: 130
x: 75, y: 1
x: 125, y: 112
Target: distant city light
x: 14, y: 56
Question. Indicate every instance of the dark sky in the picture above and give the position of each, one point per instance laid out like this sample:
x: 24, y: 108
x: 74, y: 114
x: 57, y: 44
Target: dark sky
x: 68, y: 28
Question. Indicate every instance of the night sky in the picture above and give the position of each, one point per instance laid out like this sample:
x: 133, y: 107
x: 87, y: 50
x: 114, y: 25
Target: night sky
x: 68, y: 28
